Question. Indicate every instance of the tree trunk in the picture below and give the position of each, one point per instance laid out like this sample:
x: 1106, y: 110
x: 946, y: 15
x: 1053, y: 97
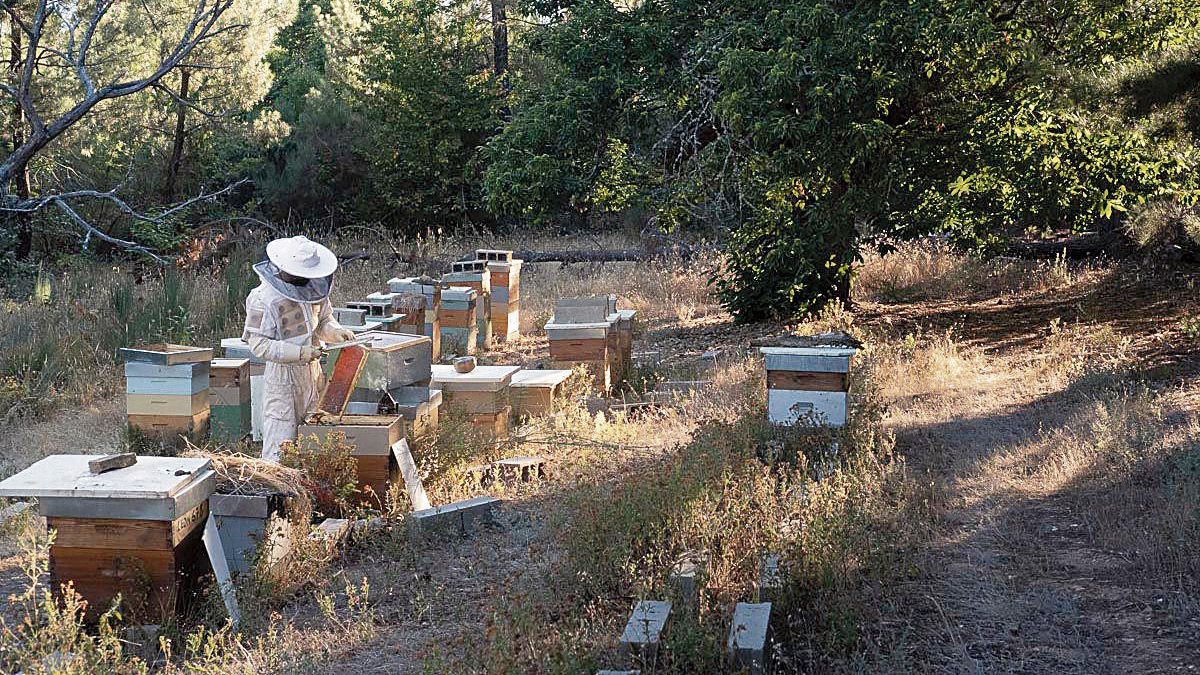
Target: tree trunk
x: 185, y: 77
x: 20, y: 172
x: 500, y: 46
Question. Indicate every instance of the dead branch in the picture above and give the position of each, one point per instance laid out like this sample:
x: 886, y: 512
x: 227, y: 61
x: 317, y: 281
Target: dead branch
x: 202, y: 27
x: 63, y: 202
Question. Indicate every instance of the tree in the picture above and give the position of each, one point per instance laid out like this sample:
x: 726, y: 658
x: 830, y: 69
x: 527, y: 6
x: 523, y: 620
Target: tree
x: 391, y: 129
x: 78, y: 61
x: 813, y: 128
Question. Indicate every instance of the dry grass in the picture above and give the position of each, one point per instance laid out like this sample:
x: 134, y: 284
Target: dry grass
x: 934, y: 270
x: 1005, y: 506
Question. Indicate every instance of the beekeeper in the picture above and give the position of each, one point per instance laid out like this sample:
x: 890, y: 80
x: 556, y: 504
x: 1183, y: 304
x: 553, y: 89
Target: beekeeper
x: 287, y: 317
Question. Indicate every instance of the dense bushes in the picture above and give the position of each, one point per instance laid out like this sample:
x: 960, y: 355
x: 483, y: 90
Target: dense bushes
x: 800, y: 133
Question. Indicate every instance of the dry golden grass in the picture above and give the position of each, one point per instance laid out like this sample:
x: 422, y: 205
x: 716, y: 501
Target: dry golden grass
x: 1006, y: 506
x: 933, y: 270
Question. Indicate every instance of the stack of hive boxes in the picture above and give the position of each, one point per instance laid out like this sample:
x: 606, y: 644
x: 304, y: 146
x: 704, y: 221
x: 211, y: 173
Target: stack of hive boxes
x: 166, y: 390
x: 131, y: 533
x: 237, y: 348
x: 372, y: 437
x: 474, y: 274
x: 396, y: 379
x: 432, y: 293
x: 481, y: 395
x: 229, y: 399
x: 506, y: 292
x: 584, y: 331
x: 808, y: 384
x: 457, y: 318
x: 394, y: 375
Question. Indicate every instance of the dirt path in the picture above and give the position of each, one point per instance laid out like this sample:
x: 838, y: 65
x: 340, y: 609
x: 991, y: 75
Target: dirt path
x: 1023, y: 575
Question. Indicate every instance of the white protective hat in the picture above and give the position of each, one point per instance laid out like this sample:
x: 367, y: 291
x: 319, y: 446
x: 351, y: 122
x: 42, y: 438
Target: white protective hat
x: 302, y: 257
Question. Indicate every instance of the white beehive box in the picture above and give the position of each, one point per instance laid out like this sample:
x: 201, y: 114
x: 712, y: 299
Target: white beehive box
x: 808, y: 384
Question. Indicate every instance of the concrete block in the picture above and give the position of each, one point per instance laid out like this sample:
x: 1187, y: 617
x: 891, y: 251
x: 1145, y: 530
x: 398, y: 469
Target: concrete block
x: 685, y: 579
x: 331, y: 531
x: 770, y: 578
x: 645, y: 630
x: 747, y: 647
x: 455, y: 518
x: 350, y: 317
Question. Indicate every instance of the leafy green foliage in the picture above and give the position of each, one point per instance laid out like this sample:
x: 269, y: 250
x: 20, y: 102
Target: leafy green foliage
x: 813, y: 128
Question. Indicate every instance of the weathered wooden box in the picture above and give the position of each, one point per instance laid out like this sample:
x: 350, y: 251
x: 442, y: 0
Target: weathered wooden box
x: 168, y: 428
x: 458, y: 320
x: 478, y: 279
x: 184, y: 405
x: 165, y: 354
x: 132, y: 532
x: 537, y: 392
x: 372, y: 437
x: 254, y: 529
x: 395, y: 360
x: 807, y: 384
x: 237, y: 348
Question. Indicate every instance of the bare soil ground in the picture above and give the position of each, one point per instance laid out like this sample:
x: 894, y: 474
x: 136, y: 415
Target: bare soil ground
x: 1023, y: 575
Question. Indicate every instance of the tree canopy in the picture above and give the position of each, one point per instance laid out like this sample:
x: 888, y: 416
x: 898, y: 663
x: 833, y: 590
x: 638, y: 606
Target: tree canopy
x: 798, y: 134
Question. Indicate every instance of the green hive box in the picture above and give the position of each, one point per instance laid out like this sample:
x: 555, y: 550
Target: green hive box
x: 229, y: 422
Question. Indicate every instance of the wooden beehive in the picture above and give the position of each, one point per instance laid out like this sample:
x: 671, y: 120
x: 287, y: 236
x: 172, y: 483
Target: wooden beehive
x: 372, y: 437
x: 166, y: 391
x: 537, y: 392
x: 474, y: 274
x: 505, y: 298
x: 133, y: 532
x: 586, y: 333
x: 481, y: 394
x: 458, y: 320
x: 808, y: 384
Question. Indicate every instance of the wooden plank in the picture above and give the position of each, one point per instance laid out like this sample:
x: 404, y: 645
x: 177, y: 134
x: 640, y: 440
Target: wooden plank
x: 165, y: 354
x: 141, y: 535
x: 112, y: 462
x: 792, y: 380
x: 344, y: 378
x: 593, y: 349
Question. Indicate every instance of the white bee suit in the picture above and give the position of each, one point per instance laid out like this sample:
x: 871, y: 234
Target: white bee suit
x: 280, y: 320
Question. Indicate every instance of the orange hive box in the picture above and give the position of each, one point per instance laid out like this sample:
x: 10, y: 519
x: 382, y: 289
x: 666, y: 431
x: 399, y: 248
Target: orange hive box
x: 342, y: 379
